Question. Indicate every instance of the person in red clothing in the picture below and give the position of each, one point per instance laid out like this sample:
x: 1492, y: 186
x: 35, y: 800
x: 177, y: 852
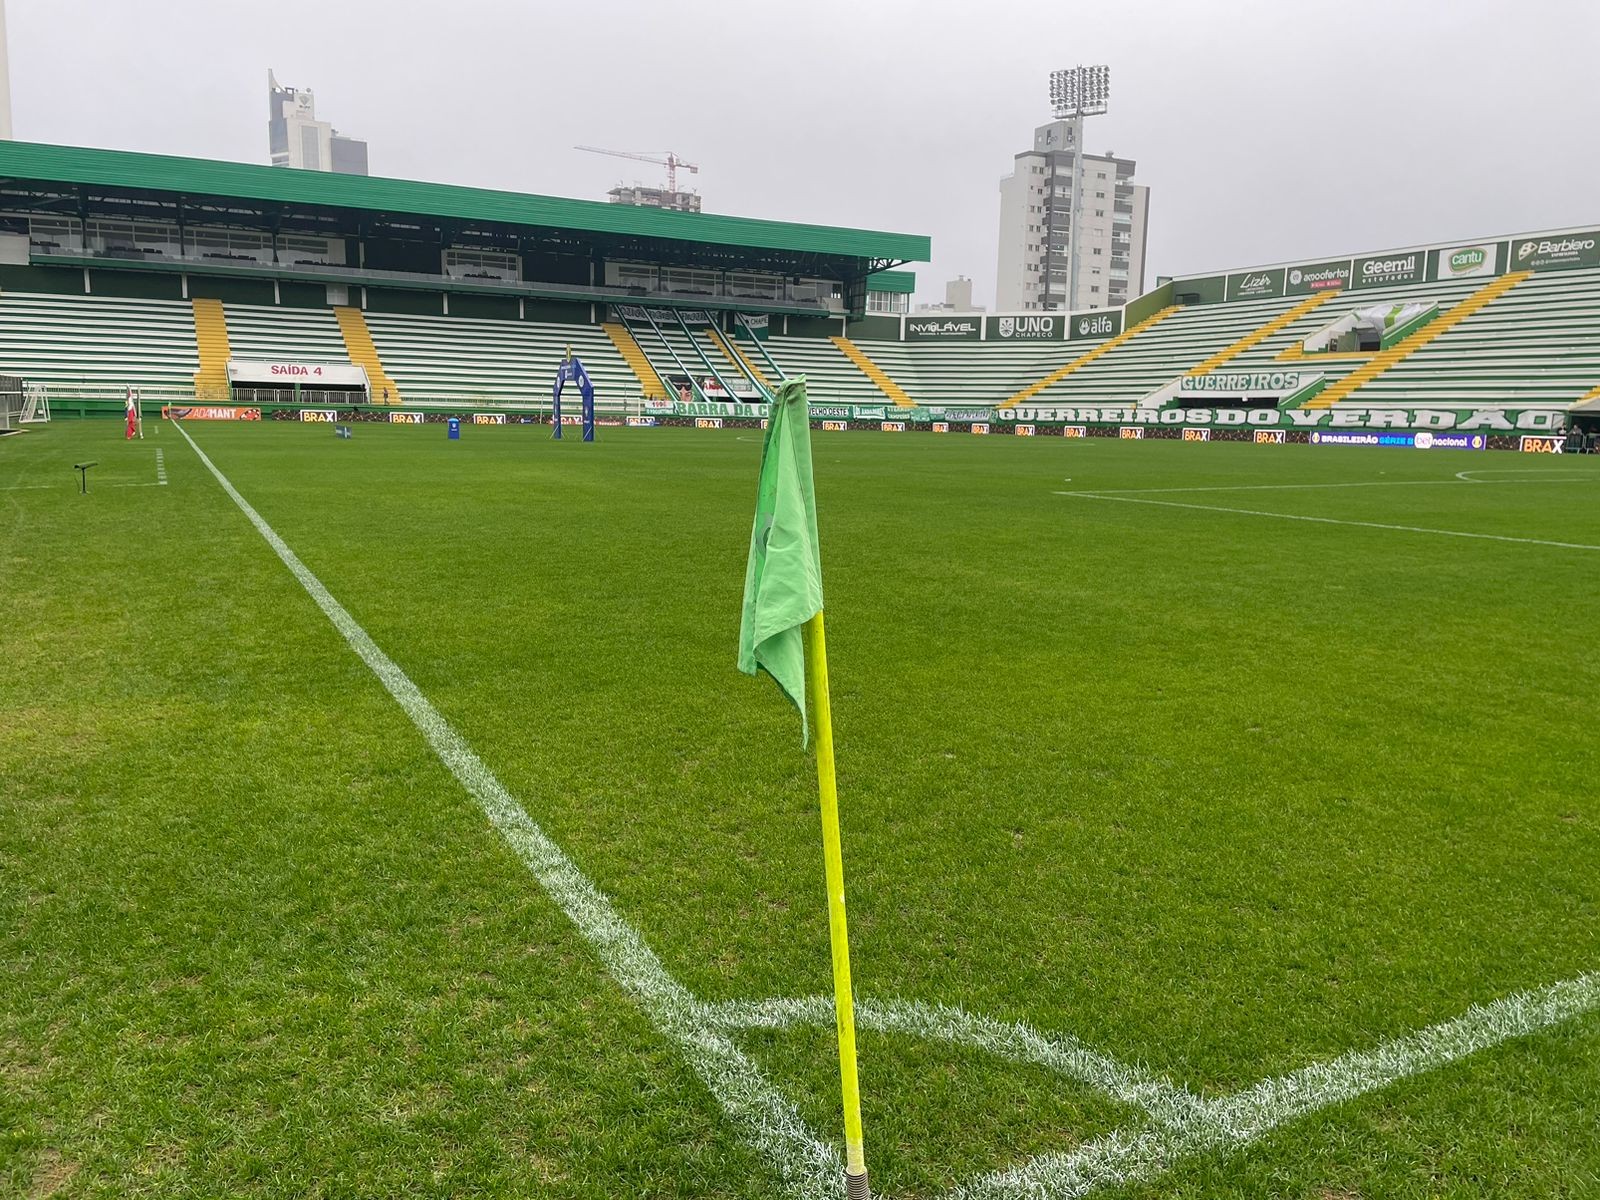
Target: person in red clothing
x: 133, y: 415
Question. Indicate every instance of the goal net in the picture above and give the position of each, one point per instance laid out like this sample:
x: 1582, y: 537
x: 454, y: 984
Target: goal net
x: 21, y: 403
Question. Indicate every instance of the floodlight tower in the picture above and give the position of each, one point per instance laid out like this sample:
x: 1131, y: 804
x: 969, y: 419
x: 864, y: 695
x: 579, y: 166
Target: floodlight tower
x: 5, y: 80
x: 1075, y: 92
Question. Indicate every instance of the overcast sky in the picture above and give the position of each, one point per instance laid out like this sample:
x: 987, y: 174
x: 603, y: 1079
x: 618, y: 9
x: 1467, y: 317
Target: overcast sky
x: 1266, y: 129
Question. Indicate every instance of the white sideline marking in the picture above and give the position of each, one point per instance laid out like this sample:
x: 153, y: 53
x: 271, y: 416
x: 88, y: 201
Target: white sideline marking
x: 1014, y: 1041
x: 1131, y: 1156
x: 1254, y: 512
x: 1466, y: 476
x: 161, y: 469
x: 1295, y: 487
x: 808, y: 1167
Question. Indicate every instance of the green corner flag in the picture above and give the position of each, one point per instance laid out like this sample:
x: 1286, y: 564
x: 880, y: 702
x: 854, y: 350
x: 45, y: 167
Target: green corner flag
x: 783, y: 581
x: 782, y: 624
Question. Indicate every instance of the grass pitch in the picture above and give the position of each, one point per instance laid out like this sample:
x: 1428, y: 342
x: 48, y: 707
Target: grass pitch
x: 1218, y: 793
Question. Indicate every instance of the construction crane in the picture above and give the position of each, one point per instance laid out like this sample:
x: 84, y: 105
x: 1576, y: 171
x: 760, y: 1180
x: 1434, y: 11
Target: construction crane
x: 671, y: 162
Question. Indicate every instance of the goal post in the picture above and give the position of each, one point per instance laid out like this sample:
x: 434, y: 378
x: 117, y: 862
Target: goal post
x: 10, y: 403
x: 21, y: 403
x: 35, y: 404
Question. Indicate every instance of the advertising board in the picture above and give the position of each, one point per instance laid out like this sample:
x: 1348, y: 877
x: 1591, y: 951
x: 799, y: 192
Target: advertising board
x: 1096, y: 326
x: 1317, y: 277
x: 1045, y: 327
x: 946, y: 329
x: 1421, y: 439
x: 1564, y: 252
x: 1255, y: 285
x: 203, y: 412
x: 1464, y: 262
x: 1389, y: 270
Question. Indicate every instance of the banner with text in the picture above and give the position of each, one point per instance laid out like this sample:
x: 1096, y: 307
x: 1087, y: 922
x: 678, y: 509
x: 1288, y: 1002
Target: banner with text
x: 1256, y: 285
x: 1563, y: 253
x: 1043, y: 328
x: 948, y: 329
x: 1464, y: 262
x: 1096, y: 326
x: 1435, y: 420
x: 1317, y: 277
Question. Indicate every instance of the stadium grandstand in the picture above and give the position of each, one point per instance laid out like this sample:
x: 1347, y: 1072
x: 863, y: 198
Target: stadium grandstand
x: 232, y: 287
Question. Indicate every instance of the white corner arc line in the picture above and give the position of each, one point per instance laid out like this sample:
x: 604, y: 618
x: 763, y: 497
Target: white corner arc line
x: 1014, y: 1041
x: 1254, y: 512
x: 1131, y: 1156
x: 810, y: 1169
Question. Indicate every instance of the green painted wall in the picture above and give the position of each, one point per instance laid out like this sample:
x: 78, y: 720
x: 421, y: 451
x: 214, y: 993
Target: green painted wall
x: 874, y: 327
x: 565, y: 312
x: 59, y: 281
x: 497, y: 308
x: 813, y: 326
x: 395, y: 300
x: 1147, y: 304
x: 145, y: 285
x: 1207, y: 290
x: 302, y: 295
x: 231, y: 291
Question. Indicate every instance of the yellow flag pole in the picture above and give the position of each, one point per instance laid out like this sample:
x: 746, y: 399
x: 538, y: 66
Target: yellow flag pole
x: 855, y: 1168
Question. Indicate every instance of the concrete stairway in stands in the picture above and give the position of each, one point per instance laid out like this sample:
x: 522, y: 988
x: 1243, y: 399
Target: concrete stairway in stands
x: 873, y: 372
x: 211, y: 340
x: 649, y: 381
x: 1443, y: 323
x: 358, y: 345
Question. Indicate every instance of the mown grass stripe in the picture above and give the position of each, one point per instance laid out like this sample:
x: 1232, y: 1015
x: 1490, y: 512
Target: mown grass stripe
x: 1231, y: 1122
x: 808, y: 1167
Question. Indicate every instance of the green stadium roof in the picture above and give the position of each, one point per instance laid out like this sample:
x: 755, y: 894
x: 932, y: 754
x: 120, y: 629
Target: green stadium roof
x: 41, y: 163
x: 892, y: 281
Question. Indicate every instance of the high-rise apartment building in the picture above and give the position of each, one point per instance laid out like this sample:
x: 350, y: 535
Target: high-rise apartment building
x: 295, y: 138
x: 1036, y: 222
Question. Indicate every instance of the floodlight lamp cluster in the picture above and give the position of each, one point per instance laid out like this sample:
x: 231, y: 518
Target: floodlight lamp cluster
x: 1080, y: 91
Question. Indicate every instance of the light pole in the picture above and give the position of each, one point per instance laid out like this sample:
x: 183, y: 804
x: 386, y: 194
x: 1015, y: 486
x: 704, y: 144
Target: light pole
x: 1075, y: 92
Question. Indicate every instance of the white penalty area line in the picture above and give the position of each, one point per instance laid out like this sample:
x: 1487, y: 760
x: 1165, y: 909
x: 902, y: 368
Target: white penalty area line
x: 1255, y: 512
x: 809, y: 1168
x: 1298, y: 487
x: 1132, y: 1156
